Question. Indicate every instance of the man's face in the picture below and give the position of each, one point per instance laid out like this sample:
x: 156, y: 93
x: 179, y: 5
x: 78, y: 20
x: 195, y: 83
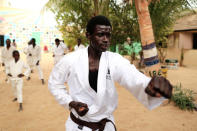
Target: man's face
x: 16, y: 56
x: 57, y: 43
x: 128, y: 39
x: 8, y: 42
x: 79, y: 41
x: 100, y: 39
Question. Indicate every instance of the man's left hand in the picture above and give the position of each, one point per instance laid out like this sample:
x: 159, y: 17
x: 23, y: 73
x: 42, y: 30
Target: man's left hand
x: 20, y: 75
x: 38, y: 62
x: 159, y: 86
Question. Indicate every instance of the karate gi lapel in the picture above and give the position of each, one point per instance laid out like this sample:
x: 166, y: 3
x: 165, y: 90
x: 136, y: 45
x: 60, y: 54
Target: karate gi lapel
x: 82, y: 71
x: 101, y: 83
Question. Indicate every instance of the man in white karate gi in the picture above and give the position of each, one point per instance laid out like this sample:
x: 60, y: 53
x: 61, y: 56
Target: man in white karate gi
x: 15, y: 70
x: 59, y: 50
x: 79, y: 45
x: 29, y: 61
x: 14, y: 43
x: 34, y: 53
x: 90, y: 74
x: 6, y: 54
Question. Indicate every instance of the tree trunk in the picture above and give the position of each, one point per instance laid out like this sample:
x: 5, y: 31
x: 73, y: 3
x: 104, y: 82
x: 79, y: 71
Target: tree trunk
x: 104, y: 6
x: 96, y: 7
x: 101, y: 7
x: 146, y: 30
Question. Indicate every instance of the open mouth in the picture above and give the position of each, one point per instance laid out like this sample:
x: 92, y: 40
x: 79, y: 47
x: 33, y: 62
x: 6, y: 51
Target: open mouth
x: 104, y: 47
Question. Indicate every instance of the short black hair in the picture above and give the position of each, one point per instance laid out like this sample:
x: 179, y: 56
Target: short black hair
x: 97, y: 20
x: 15, y: 51
x: 8, y: 39
x: 57, y: 40
x: 79, y: 39
x: 33, y: 40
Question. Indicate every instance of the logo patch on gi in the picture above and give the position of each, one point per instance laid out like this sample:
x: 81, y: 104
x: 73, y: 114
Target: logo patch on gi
x: 108, y: 76
x: 80, y: 127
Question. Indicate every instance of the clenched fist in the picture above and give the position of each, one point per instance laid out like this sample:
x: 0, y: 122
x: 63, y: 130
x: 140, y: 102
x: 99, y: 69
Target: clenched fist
x: 80, y: 108
x: 159, y: 86
x: 20, y: 75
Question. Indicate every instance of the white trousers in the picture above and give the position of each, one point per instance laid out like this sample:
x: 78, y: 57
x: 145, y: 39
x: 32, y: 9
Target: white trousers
x: 32, y: 64
x: 40, y: 73
x: 57, y: 58
x: 72, y: 126
x: 6, y: 69
x: 29, y: 62
x: 17, y: 86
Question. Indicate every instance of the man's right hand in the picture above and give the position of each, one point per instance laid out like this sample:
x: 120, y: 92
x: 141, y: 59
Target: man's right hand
x: 80, y: 108
x: 159, y: 86
x: 9, y: 75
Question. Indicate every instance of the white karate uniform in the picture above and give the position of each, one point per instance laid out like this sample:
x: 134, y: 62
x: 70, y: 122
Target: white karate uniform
x: 74, y: 69
x: 6, y: 55
x: 16, y: 68
x: 29, y: 61
x: 36, y: 56
x: 79, y: 47
x: 58, y: 51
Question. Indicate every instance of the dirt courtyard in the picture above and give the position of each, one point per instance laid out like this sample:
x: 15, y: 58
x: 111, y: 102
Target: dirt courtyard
x: 42, y: 113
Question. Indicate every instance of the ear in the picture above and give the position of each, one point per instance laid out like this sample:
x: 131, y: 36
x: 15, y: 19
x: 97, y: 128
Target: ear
x: 88, y: 36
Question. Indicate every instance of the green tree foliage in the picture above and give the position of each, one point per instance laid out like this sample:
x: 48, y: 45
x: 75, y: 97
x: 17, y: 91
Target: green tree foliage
x: 72, y: 17
x: 124, y: 22
x: 164, y: 14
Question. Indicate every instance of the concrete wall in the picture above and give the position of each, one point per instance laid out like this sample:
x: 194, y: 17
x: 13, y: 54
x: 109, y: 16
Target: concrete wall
x: 190, y: 58
x: 185, y: 40
x: 173, y: 50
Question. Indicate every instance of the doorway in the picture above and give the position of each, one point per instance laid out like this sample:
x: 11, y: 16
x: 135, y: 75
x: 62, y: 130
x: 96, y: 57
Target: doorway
x: 1, y: 40
x: 195, y: 41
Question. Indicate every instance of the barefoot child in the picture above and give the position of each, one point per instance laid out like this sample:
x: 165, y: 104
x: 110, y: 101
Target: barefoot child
x: 15, y: 72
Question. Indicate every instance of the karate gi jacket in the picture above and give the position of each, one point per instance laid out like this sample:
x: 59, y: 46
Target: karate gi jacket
x: 6, y: 55
x: 59, y: 51
x: 16, y: 68
x: 79, y: 47
x: 36, y: 54
x: 73, y: 68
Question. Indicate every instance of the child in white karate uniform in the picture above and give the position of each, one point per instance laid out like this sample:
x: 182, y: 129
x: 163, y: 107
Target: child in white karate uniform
x: 15, y: 72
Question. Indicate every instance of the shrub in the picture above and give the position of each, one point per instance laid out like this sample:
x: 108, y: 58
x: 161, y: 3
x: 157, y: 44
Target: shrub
x: 183, y: 98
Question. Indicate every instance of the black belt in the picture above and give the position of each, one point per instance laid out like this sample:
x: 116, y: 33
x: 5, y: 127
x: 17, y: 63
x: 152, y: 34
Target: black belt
x: 92, y: 125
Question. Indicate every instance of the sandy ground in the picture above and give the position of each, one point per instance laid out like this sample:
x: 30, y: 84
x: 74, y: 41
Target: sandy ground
x: 42, y: 113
